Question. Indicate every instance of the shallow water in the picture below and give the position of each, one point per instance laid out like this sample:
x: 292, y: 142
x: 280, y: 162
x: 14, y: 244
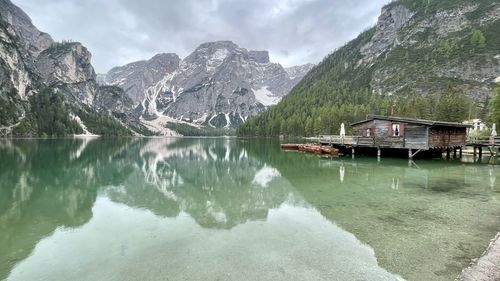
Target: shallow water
x: 227, y: 209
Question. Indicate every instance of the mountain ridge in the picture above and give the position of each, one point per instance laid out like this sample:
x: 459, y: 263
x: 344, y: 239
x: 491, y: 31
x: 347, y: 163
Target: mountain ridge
x: 218, y: 85
x: 417, y: 51
x: 34, y: 70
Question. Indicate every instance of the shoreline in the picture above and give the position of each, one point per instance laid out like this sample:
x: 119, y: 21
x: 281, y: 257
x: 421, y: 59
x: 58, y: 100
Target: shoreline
x: 486, y: 267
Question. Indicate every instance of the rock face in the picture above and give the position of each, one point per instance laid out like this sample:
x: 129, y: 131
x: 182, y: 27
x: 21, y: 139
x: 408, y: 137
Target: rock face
x: 138, y: 76
x: 218, y: 85
x: 14, y: 71
x: 391, y: 20
x: 417, y: 49
x: 31, y: 60
x: 296, y: 73
x: 113, y: 100
x: 32, y: 40
x: 69, y: 64
x: 432, y: 49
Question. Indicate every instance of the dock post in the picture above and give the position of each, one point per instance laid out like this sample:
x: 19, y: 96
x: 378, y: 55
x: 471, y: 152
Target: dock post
x: 474, y: 153
x: 410, y: 156
x: 460, y: 152
x: 480, y: 151
x: 454, y: 152
x: 447, y: 153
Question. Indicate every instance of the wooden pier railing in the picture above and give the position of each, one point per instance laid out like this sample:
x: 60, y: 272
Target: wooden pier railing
x: 362, y: 141
x: 485, y: 141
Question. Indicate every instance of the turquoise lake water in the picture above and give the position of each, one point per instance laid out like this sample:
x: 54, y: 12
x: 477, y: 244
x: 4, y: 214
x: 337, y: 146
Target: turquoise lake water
x: 231, y: 209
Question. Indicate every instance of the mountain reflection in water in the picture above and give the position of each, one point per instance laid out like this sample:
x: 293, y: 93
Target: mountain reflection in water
x: 227, y: 209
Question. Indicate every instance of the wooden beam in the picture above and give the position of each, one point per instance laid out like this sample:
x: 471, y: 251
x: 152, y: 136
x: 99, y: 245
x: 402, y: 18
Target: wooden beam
x: 413, y: 155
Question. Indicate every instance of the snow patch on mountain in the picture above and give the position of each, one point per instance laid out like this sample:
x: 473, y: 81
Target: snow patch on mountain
x: 228, y: 121
x: 265, y: 97
x: 217, y: 59
x: 497, y: 80
x: 149, y: 103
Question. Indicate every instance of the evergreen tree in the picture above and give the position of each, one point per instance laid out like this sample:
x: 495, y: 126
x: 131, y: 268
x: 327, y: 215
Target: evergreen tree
x: 47, y: 117
x: 495, y: 108
x: 478, y: 39
x: 452, y: 106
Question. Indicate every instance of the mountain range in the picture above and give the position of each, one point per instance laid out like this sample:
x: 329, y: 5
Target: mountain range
x: 48, y: 87
x: 417, y: 56
x: 51, y: 88
x: 422, y: 59
x: 218, y: 85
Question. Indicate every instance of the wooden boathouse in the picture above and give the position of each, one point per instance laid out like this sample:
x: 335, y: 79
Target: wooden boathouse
x: 398, y: 135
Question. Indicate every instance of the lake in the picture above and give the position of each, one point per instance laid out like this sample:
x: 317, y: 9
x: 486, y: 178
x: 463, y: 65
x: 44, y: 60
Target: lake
x: 231, y: 209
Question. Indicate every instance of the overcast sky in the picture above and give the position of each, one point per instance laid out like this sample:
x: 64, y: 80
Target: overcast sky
x: 121, y: 31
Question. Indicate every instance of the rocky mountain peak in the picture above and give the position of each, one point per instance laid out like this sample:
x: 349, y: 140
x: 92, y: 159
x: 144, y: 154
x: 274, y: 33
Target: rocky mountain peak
x: 298, y: 71
x: 208, y: 56
x: 218, y: 85
x: 136, y: 77
x: 66, y: 62
x: 217, y: 45
x: 32, y: 39
x: 69, y: 63
x: 168, y: 62
x: 165, y: 57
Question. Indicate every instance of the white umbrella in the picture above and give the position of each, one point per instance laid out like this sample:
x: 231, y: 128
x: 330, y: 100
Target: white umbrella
x: 494, y: 130
x: 342, y: 130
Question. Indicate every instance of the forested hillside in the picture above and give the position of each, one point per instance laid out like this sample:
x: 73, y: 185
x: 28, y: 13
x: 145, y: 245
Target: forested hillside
x: 48, y: 88
x: 424, y: 58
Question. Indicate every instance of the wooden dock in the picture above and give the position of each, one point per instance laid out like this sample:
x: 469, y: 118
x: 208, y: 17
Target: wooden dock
x: 352, y: 143
x: 401, y: 136
x: 491, y: 143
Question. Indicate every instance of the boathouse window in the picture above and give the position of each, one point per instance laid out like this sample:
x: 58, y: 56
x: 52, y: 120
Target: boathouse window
x: 395, y: 130
x: 368, y: 132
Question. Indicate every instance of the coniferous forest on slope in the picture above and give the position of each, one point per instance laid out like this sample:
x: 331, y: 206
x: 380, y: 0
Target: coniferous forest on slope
x: 339, y: 90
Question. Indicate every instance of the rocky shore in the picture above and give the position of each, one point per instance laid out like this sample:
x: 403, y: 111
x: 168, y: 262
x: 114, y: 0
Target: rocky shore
x: 487, y: 267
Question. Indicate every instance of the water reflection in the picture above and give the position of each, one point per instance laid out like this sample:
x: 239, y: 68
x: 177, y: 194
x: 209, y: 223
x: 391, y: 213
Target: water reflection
x: 233, y: 209
x: 212, y: 180
x: 118, y: 209
x: 425, y: 221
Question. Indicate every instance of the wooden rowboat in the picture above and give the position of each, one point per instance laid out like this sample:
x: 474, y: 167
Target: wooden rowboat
x: 290, y: 146
x: 311, y: 148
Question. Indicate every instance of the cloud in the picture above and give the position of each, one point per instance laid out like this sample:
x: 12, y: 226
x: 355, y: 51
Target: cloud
x: 121, y: 31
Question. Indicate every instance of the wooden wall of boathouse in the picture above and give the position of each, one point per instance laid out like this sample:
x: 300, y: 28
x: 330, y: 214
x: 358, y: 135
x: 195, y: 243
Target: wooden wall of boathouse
x: 416, y: 136
x: 413, y: 134
x: 447, y: 136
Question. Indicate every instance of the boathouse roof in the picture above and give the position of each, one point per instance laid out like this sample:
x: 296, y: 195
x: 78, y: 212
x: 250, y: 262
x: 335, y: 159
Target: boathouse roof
x: 425, y: 122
